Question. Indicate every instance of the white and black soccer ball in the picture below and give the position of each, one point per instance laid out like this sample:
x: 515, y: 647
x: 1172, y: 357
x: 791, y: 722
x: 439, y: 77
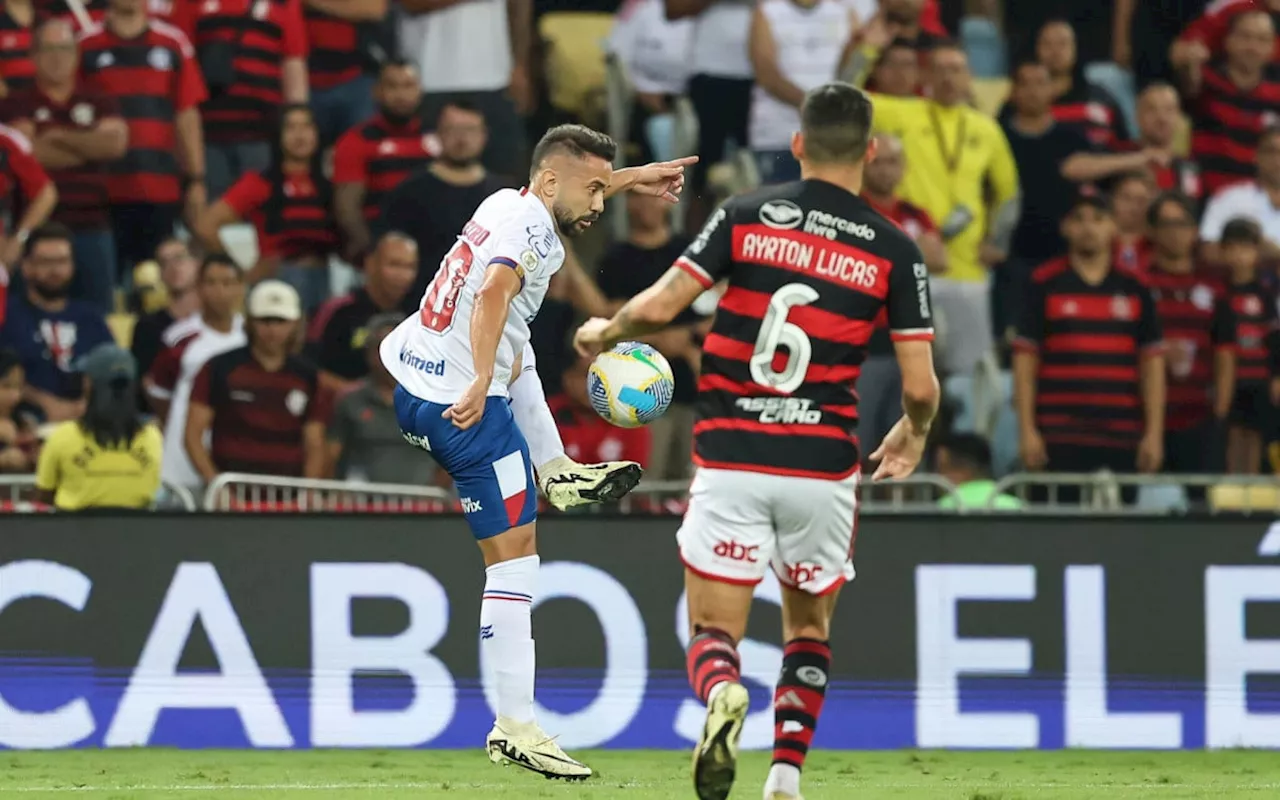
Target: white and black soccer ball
x: 630, y: 385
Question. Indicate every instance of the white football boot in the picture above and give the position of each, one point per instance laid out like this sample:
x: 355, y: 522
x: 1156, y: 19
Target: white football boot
x: 782, y: 796
x: 715, y: 759
x: 526, y: 746
x: 567, y: 484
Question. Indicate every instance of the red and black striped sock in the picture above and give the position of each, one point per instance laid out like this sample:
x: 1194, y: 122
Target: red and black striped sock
x: 712, y: 659
x: 797, y: 702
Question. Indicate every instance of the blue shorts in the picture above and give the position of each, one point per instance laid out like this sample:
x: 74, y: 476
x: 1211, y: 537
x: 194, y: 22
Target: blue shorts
x: 489, y: 462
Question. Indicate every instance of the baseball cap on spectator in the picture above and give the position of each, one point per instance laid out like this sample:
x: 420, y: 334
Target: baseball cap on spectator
x: 275, y: 300
x: 108, y: 362
x: 1241, y: 230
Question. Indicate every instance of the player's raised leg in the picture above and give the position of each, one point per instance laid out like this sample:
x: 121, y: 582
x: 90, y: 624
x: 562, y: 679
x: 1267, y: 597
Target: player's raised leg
x: 726, y: 542
x: 491, y: 470
x: 565, y: 482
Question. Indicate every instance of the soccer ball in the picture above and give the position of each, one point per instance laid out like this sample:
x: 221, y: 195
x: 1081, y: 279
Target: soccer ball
x: 630, y: 385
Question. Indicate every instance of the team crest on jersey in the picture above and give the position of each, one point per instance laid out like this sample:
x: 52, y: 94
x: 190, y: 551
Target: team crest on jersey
x: 1120, y: 307
x: 1202, y: 297
x: 42, y: 114
x: 528, y: 263
x: 782, y: 215
x: 296, y: 402
x: 105, y: 59
x: 160, y: 59
x: 82, y: 114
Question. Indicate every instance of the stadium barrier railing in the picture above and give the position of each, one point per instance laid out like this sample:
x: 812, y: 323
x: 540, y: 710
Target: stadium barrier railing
x: 18, y: 495
x: 244, y: 492
x: 1104, y: 492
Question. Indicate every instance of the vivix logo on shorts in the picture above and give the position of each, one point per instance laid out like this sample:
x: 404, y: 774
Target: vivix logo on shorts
x: 414, y: 361
x: 800, y: 574
x: 470, y: 506
x: 736, y: 552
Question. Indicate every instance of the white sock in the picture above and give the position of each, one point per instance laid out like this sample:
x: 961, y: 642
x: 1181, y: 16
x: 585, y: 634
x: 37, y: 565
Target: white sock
x: 506, y: 635
x: 533, y: 417
x: 782, y: 778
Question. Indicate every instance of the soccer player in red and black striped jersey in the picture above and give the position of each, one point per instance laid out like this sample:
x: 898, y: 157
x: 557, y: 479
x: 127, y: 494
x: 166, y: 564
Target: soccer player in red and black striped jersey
x: 809, y: 266
x: 253, y: 55
x: 1200, y: 340
x: 148, y: 66
x: 17, y: 69
x: 1256, y: 402
x: 341, y: 88
x: 262, y: 406
x: 1088, y: 364
x: 76, y: 134
x: 371, y: 159
x: 1232, y: 101
x: 290, y: 206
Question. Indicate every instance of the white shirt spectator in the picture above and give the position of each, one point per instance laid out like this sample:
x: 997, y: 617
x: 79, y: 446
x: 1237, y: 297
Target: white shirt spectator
x: 462, y: 48
x: 653, y: 50
x: 720, y: 37
x: 809, y: 43
x: 189, y: 343
x: 1246, y: 200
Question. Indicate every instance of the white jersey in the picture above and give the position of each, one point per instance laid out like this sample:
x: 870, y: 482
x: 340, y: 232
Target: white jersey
x: 189, y: 344
x: 429, y: 354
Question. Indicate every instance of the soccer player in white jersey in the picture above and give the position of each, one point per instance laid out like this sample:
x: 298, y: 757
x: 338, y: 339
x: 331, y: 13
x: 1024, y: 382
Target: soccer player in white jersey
x: 469, y: 393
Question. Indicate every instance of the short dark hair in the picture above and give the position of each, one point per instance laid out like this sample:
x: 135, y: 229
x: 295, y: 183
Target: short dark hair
x: 396, y: 63
x: 46, y: 232
x: 9, y: 359
x: 968, y: 450
x: 1241, y: 230
x: 835, y: 119
x: 899, y: 43
x: 1170, y: 196
x: 1022, y: 63
x: 219, y: 260
x: 578, y: 141
x: 461, y: 103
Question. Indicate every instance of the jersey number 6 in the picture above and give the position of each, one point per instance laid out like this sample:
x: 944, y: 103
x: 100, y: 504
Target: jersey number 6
x: 776, y: 332
x: 441, y: 302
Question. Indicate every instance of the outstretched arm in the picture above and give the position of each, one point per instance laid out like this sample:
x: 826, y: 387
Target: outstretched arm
x: 663, y: 179
x: 651, y: 310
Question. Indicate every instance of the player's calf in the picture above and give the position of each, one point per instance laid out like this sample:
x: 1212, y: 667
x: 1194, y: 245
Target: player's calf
x: 797, y: 705
x: 714, y: 675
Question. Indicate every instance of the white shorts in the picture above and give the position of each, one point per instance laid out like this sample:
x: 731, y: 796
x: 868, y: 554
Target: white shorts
x: 738, y: 522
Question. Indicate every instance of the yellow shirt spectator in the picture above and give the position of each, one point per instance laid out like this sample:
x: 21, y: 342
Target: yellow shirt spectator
x: 957, y: 157
x: 83, y: 474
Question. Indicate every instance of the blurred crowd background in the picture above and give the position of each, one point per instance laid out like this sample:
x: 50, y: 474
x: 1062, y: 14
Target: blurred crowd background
x: 213, y: 211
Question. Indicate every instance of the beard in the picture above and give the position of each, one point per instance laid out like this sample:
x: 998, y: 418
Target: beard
x: 399, y: 120
x: 568, y: 224
x: 455, y: 162
x: 50, y: 292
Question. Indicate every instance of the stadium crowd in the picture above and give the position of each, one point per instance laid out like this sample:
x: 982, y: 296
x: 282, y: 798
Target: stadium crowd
x: 1094, y: 187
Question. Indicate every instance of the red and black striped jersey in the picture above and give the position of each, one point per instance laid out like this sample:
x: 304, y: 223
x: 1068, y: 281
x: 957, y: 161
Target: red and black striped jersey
x: 1197, y: 321
x: 17, y: 70
x: 83, y: 201
x: 380, y: 155
x: 21, y: 176
x: 1090, y: 340
x: 293, y: 217
x: 1257, y: 333
x: 153, y: 77
x: 809, y: 267
x: 1094, y: 112
x: 1226, y: 121
x: 257, y: 37
x: 259, y: 416
x: 916, y: 222
x: 334, y: 55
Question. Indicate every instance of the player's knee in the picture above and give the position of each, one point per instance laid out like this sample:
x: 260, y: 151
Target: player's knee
x: 517, y: 542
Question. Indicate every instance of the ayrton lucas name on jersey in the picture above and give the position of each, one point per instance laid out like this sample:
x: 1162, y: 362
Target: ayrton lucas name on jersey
x: 810, y: 254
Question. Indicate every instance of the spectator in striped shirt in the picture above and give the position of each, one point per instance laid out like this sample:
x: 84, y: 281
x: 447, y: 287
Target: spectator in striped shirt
x: 337, y: 64
x: 253, y: 54
x: 17, y: 69
x: 76, y: 133
x: 289, y: 204
x: 1257, y: 392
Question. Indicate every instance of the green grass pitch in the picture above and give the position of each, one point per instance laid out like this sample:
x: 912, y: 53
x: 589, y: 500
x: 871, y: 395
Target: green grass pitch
x: 634, y: 775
